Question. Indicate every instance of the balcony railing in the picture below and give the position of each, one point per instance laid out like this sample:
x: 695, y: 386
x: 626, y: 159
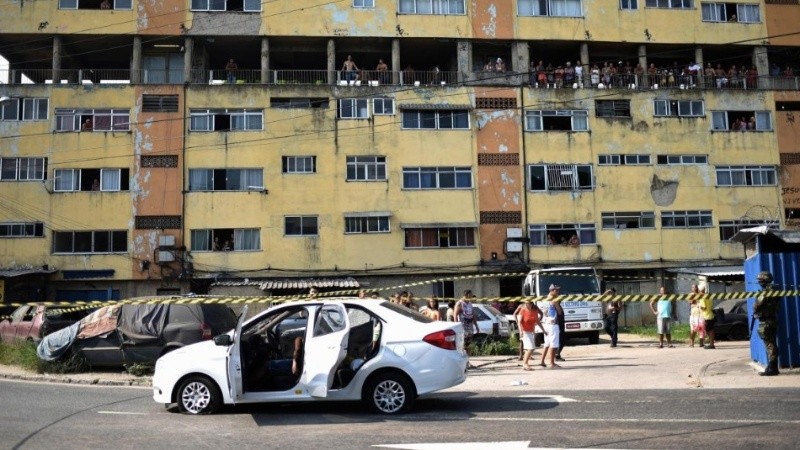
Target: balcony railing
x: 396, y: 78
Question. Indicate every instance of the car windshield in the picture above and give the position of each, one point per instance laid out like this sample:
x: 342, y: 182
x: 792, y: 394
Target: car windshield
x: 410, y: 313
x: 494, y: 311
x: 573, y: 282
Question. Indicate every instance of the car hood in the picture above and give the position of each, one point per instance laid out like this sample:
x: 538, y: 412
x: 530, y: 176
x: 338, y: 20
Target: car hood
x: 189, y: 354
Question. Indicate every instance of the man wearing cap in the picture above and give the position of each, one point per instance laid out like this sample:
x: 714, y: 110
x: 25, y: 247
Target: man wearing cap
x: 552, y: 337
x: 562, y: 340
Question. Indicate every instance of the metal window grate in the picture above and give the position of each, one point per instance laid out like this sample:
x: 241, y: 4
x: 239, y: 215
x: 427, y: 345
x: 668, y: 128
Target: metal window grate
x: 504, y: 217
x: 158, y: 222
x: 159, y: 103
x: 160, y: 161
x: 495, y: 103
x: 561, y: 177
x: 790, y: 159
x: 498, y: 159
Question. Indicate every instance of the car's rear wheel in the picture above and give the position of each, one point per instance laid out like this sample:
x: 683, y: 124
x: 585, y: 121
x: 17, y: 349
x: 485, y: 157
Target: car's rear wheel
x: 389, y: 393
x: 198, y: 395
x: 737, y: 332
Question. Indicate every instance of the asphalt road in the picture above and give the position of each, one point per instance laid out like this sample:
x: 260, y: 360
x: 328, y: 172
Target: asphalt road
x: 58, y: 416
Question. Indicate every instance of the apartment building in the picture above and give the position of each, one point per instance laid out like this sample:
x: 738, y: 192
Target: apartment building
x: 243, y: 147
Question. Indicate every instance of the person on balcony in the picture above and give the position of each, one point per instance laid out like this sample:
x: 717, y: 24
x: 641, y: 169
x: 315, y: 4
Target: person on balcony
x: 231, y: 69
x: 350, y: 69
x: 383, y: 72
x: 106, y: 4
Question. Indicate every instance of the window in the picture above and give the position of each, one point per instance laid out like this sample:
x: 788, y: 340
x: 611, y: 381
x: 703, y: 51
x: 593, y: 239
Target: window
x: 565, y: 120
x: 21, y: 229
x: 353, y: 108
x: 226, y: 240
x: 299, y: 164
x: 226, y: 5
x: 226, y: 179
x: 90, y: 241
x: 383, y: 106
x: 678, y: 108
x: 681, y: 160
x: 226, y: 120
x: 613, y: 108
x: 727, y: 228
x: 686, y: 219
x: 669, y: 4
x: 560, y: 177
x: 556, y: 8
x: 27, y: 109
x: 93, y: 4
x: 358, y: 224
x: 730, y: 12
x: 439, y: 237
x: 23, y: 169
x: 108, y: 180
x: 436, y: 119
x: 746, y: 176
x: 298, y: 102
x: 431, y: 6
x: 363, y: 3
x: 437, y: 178
x: 625, y: 220
x: 366, y: 168
x: 628, y: 4
x: 741, y: 121
x: 562, y: 234
x: 300, y: 226
x: 626, y: 160
x: 159, y: 103
x: 87, y: 120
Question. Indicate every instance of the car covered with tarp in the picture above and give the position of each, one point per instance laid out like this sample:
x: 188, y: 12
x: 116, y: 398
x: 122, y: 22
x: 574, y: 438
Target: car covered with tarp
x: 121, y: 334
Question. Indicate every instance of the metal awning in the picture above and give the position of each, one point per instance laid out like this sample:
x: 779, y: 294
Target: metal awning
x: 440, y: 225
x: 368, y: 214
x: 292, y: 283
x: 433, y: 106
x: 84, y: 274
x: 748, y: 234
x: 11, y: 273
x: 718, y: 271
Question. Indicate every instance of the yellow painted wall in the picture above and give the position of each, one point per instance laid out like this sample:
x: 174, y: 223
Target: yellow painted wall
x: 27, y: 16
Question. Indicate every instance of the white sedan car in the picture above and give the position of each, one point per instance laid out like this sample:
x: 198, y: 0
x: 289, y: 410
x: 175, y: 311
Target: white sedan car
x: 333, y: 349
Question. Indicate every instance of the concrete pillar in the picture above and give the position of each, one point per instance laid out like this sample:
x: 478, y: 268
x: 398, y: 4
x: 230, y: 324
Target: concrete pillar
x: 331, y: 61
x: 396, y: 67
x: 643, y: 62
x: 698, y: 59
x: 136, y: 61
x: 464, y: 53
x: 587, y: 68
x: 520, y: 58
x: 56, y: 60
x: 761, y: 61
x: 265, y: 78
x: 188, y: 51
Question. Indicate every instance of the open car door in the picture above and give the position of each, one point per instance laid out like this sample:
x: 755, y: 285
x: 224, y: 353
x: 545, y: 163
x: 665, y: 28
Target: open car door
x: 325, y: 348
x: 235, y: 360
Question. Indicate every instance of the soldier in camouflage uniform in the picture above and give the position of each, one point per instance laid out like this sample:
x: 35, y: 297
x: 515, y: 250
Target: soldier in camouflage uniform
x: 766, y: 310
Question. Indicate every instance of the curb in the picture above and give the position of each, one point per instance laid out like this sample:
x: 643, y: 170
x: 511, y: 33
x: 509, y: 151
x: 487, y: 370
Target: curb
x: 81, y: 381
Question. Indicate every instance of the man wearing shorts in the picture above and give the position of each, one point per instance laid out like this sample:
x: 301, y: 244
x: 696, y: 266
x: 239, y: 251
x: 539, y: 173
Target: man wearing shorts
x: 528, y: 315
x: 663, y: 309
x: 552, y: 334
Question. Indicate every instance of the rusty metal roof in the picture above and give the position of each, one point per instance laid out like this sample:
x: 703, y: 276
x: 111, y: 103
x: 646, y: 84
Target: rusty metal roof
x: 292, y: 283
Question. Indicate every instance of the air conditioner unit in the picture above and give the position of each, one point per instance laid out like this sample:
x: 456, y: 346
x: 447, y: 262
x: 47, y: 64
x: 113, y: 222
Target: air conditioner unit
x: 166, y: 241
x: 513, y: 247
x: 513, y: 232
x: 164, y: 256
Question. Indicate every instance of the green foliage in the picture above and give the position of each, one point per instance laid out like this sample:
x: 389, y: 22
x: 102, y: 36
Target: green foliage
x: 70, y: 363
x: 680, y: 331
x: 21, y: 354
x: 495, y: 347
x: 139, y: 369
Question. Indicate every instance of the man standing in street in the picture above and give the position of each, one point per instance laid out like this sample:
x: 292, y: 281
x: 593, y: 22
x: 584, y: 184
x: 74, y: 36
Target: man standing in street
x: 766, y: 311
x: 612, y: 317
x: 707, y: 306
x: 552, y: 337
x: 528, y: 315
x: 552, y: 296
x: 663, y: 310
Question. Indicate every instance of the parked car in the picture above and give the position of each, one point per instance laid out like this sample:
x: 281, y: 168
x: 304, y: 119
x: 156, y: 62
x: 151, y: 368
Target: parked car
x: 732, y: 321
x: 491, y: 322
x: 33, y: 322
x: 340, y: 349
x: 125, y: 334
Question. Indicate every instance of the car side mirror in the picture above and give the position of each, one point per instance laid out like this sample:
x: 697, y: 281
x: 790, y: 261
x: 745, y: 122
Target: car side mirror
x: 223, y: 340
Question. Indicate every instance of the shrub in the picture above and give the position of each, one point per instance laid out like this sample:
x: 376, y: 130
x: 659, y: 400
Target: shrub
x: 495, y: 347
x: 139, y: 369
x: 21, y: 354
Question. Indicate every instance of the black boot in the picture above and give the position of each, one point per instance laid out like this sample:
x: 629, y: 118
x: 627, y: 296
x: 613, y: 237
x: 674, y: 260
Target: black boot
x: 771, y: 370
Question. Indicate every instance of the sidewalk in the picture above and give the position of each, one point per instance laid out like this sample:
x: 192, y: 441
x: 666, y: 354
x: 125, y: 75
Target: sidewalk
x: 636, y: 363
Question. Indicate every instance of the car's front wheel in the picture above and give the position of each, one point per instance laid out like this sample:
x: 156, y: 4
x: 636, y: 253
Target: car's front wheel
x: 198, y: 395
x: 389, y: 393
x: 737, y: 332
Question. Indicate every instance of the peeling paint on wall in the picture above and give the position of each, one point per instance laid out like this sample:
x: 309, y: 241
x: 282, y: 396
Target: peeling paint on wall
x: 490, y: 29
x: 484, y: 117
x: 663, y: 191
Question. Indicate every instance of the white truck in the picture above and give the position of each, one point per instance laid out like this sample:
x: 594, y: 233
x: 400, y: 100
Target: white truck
x: 581, y: 318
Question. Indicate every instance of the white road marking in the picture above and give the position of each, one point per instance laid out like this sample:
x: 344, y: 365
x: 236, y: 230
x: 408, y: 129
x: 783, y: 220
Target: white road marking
x: 607, y: 419
x: 546, y: 399
x: 122, y: 413
x: 512, y: 445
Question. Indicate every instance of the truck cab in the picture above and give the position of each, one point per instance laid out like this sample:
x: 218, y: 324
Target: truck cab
x: 582, y: 318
